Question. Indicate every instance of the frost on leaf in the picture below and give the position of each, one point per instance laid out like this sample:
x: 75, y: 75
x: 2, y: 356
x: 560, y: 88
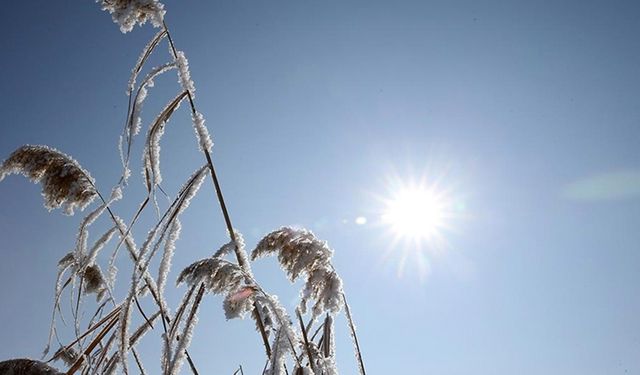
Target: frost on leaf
x: 64, y: 182
x: 300, y: 252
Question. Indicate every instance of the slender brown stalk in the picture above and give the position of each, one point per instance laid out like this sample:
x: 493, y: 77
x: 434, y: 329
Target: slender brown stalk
x: 113, y: 312
x: 246, y: 267
x: 306, y: 341
x: 92, y: 345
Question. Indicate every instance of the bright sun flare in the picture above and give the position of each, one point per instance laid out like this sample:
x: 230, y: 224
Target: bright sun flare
x: 418, y: 214
x: 415, y: 213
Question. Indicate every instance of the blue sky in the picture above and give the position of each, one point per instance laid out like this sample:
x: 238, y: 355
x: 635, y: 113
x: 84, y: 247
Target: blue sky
x: 527, y: 113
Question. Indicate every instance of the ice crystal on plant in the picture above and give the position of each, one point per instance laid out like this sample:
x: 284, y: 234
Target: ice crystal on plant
x: 146, y: 51
x: 184, y: 75
x: 204, y: 140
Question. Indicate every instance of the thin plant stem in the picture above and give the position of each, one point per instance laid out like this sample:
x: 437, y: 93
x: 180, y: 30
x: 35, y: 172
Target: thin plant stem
x: 353, y: 333
x: 223, y: 206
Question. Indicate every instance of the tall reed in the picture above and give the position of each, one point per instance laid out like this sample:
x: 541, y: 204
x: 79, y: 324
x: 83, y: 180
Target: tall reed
x: 106, y: 342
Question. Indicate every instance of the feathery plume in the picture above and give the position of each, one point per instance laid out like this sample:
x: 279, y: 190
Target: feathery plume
x: 300, y: 252
x: 64, y: 182
x: 218, y: 275
x: 325, y: 287
x: 26, y: 366
x: 127, y: 13
x: 93, y: 279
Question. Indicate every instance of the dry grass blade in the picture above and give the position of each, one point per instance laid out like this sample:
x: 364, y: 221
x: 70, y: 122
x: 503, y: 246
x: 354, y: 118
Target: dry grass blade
x: 109, y: 316
x: 92, y: 345
x: 144, y: 56
x: 326, y: 337
x: 151, y: 151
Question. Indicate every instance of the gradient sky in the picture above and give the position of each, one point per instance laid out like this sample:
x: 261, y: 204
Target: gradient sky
x: 527, y: 113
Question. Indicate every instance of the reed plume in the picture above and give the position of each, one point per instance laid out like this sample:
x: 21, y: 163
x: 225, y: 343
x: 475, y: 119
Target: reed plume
x: 64, y: 182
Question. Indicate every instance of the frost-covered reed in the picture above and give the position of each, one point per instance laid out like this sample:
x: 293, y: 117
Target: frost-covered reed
x: 105, y: 340
x: 64, y: 182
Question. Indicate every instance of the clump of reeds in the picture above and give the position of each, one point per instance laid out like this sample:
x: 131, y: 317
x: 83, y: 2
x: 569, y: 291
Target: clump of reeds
x: 108, y: 343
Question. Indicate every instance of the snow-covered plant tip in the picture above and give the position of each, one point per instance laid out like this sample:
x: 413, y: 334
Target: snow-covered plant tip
x: 105, y: 340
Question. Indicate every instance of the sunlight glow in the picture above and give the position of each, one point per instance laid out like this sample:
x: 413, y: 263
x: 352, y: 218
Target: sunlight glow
x: 415, y: 213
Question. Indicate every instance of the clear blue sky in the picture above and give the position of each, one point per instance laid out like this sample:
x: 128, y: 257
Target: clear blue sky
x: 528, y: 112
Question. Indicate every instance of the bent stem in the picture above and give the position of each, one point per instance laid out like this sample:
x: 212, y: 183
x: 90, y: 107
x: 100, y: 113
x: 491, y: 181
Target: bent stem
x: 241, y: 258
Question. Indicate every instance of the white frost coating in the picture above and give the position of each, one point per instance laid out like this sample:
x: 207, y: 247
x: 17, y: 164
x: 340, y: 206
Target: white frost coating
x: 141, y: 59
x: 142, y: 329
x: 187, y: 192
x: 123, y: 335
x: 285, y: 338
x: 141, y: 266
x: 83, y: 233
x: 279, y: 350
x: 204, y: 140
x: 127, y: 13
x: 130, y: 245
x: 151, y: 154
x: 189, y: 189
x: 141, y: 95
x: 185, y: 340
x: 167, y: 256
x: 184, y: 76
x: 151, y: 157
x: 99, y: 244
x: 64, y: 183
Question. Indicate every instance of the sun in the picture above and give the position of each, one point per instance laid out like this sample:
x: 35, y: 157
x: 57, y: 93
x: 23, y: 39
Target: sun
x: 416, y: 213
